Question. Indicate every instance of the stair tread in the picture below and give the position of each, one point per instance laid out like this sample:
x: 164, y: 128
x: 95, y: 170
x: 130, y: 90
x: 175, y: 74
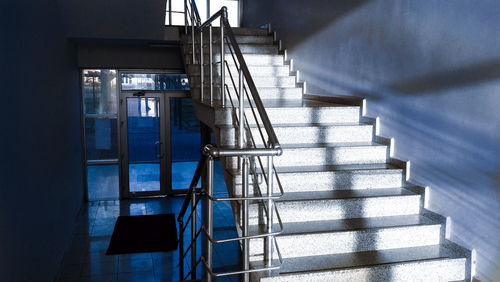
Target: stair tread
x: 316, y: 125
x: 331, y: 145
x: 320, y: 168
x: 382, y: 167
x: 345, y: 194
x: 351, y: 224
x: 369, y: 258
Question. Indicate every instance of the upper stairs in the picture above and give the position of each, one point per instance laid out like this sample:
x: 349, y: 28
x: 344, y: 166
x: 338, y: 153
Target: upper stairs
x: 348, y: 212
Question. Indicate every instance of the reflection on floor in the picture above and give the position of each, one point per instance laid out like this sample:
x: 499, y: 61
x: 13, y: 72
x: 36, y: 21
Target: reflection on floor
x: 144, y: 177
x: 182, y: 174
x: 85, y: 259
x: 103, y: 182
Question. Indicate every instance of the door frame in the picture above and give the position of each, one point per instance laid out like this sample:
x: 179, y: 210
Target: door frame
x: 164, y: 128
x: 165, y: 169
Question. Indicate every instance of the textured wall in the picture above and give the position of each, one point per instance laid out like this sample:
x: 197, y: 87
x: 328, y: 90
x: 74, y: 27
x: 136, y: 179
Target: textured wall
x: 431, y: 70
x: 41, y: 186
x: 129, y: 56
x: 112, y: 19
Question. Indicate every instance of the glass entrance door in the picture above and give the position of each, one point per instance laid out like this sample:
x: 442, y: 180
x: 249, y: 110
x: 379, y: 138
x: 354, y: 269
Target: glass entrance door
x: 143, y: 148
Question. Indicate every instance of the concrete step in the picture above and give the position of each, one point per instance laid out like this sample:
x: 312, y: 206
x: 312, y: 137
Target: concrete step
x: 241, y: 39
x: 265, y: 94
x: 244, y: 48
x: 342, y: 204
x: 194, y: 70
x: 328, y: 178
x: 331, y: 154
x: 307, y: 111
x: 328, y: 154
x: 250, y: 59
x: 260, y: 81
x: 311, y: 133
x: 444, y: 262
x: 351, y: 235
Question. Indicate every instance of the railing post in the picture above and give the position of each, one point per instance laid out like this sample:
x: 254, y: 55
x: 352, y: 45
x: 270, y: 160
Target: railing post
x: 222, y: 60
x: 244, y: 214
x: 241, y: 113
x: 169, y: 12
x: 209, y: 227
x: 185, y: 17
x: 211, y: 64
x: 181, y: 251
x: 193, y: 235
x: 268, y: 248
x: 201, y: 65
x: 192, y: 32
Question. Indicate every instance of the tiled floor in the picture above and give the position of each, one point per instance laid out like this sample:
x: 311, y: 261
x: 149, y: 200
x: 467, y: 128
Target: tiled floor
x: 103, y: 179
x: 85, y: 259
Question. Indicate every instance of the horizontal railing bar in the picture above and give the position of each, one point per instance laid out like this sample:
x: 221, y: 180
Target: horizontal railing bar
x: 220, y: 241
x: 212, y: 18
x: 196, y: 178
x: 248, y: 152
x: 190, y: 215
x: 192, y: 242
x: 275, y: 267
x: 243, y: 198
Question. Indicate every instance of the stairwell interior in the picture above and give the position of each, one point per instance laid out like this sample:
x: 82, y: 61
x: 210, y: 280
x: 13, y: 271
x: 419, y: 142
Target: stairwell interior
x: 350, y: 211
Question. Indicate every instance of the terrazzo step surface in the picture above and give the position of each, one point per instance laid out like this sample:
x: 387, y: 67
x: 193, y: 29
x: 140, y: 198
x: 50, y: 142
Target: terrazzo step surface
x: 443, y: 262
x: 342, y: 204
x: 247, y: 48
x: 275, y: 71
x: 351, y: 235
x: 328, y: 178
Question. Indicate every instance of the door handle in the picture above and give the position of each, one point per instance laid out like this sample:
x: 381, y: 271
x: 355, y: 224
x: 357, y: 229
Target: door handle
x: 158, y: 149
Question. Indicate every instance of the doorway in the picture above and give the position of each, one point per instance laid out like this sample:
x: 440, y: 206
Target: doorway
x: 160, y: 141
x: 143, y: 149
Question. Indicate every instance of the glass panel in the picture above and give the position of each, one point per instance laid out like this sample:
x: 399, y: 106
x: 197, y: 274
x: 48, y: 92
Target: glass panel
x: 177, y: 19
x: 186, y: 142
x: 101, y: 138
x: 154, y: 81
x: 143, y: 144
x: 99, y: 92
x: 232, y: 11
x: 103, y: 182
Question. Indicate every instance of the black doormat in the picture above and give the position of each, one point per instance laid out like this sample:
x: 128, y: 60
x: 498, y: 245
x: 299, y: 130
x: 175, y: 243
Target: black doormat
x: 143, y: 234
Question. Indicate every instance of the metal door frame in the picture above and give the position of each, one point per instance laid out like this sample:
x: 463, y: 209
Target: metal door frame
x: 166, y: 172
x: 164, y: 127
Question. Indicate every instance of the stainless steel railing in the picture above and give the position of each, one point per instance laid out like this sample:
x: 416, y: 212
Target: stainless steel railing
x: 214, y: 92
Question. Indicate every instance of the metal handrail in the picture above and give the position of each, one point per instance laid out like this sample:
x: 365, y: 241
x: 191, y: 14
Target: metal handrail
x: 273, y: 139
x: 246, y: 152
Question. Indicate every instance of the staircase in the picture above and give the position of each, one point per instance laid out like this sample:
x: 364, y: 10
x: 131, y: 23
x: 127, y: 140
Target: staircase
x: 348, y: 211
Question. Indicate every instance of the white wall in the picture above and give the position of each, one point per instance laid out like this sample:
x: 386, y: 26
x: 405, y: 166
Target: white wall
x: 431, y: 70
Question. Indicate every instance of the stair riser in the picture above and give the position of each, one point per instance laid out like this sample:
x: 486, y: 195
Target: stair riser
x: 310, y: 115
x: 250, y: 59
x: 331, y: 209
x: 327, y: 181
x: 244, y: 48
x: 241, y: 39
x: 420, y: 271
x: 308, y: 135
x: 265, y: 93
x: 327, y: 156
x: 254, y: 70
x: 260, y: 81
x: 352, y: 241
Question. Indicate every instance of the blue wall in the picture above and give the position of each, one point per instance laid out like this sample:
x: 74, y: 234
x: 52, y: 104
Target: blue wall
x: 41, y: 186
x: 431, y: 70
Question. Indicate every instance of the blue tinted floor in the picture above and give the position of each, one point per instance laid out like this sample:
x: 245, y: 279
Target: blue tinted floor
x: 85, y: 259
